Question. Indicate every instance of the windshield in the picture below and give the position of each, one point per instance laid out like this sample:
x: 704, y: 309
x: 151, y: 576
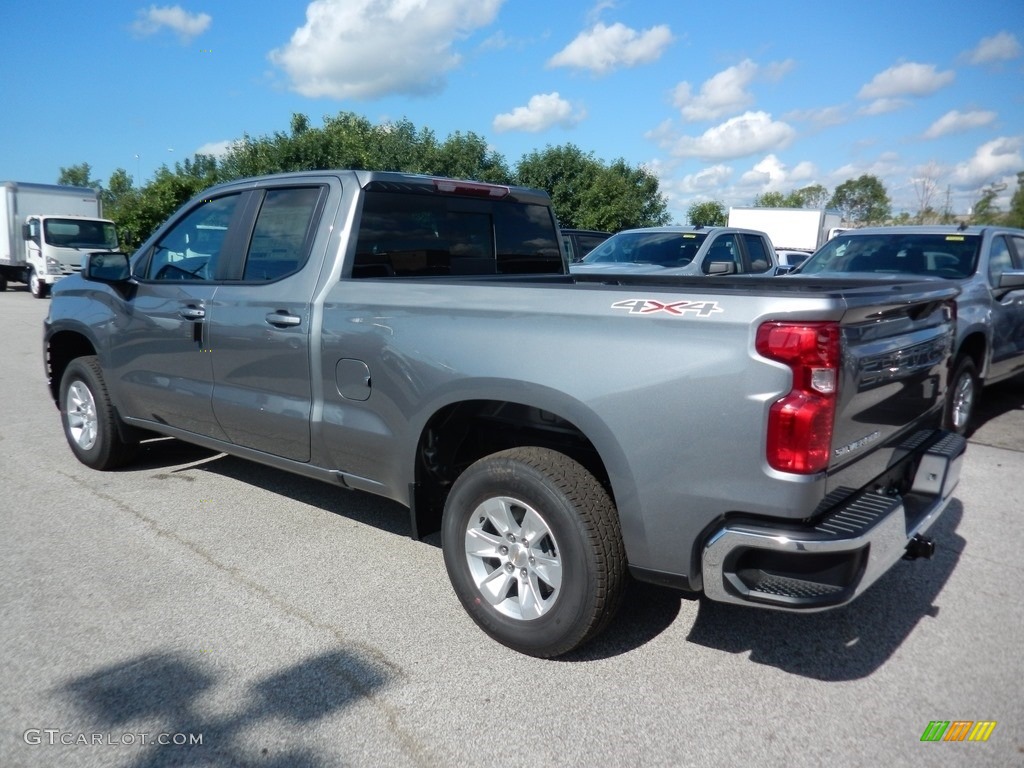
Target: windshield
x: 666, y: 249
x: 940, y: 255
x: 80, y: 233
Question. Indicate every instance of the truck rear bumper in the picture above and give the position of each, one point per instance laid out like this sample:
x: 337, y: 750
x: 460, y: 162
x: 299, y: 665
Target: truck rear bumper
x: 830, y: 562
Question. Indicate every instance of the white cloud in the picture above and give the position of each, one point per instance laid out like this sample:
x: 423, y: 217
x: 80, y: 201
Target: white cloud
x: 992, y: 160
x: 908, y: 79
x: 959, y: 122
x: 748, y: 134
x: 364, y: 49
x: 771, y: 174
x: 543, y: 111
x: 603, y: 49
x: 883, y: 106
x: 174, y: 17
x: 823, y: 117
x: 708, y: 179
x: 726, y: 92
x: 1000, y: 47
x: 216, y: 148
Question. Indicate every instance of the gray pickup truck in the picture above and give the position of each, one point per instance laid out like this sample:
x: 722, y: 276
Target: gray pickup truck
x: 761, y: 441
x: 985, y: 263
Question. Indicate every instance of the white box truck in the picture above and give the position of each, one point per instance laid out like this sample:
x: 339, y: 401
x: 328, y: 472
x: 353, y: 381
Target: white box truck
x: 797, y: 229
x: 46, y: 229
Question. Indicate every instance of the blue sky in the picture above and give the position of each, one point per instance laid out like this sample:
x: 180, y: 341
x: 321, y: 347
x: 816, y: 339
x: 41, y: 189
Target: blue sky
x: 722, y: 101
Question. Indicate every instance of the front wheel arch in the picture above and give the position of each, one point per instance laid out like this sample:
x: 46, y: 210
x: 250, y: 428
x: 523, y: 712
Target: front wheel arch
x: 962, y: 396
x: 93, y: 429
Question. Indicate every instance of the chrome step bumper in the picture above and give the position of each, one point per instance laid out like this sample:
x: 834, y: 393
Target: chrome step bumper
x: 829, y: 563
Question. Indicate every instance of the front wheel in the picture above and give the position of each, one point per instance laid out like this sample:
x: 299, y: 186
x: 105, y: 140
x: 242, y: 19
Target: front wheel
x: 91, y: 424
x: 534, y: 551
x: 961, y: 396
x: 38, y: 288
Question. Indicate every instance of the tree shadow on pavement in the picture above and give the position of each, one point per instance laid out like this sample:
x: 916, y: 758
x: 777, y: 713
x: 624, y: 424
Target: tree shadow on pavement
x: 160, y: 694
x: 846, y: 643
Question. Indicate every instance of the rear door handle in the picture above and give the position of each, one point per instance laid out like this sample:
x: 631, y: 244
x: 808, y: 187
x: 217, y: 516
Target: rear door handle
x: 283, y: 319
x: 192, y: 313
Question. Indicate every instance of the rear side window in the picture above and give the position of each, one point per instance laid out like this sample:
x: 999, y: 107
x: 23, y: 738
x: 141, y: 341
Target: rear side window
x: 759, y: 261
x: 420, y: 235
x: 282, y: 236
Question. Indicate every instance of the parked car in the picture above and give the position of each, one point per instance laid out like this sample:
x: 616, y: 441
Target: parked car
x: 579, y: 242
x: 987, y: 263
x: 790, y: 257
x: 682, y: 251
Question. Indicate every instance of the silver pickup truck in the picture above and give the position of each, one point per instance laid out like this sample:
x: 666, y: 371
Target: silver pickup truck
x: 985, y: 263
x: 761, y: 441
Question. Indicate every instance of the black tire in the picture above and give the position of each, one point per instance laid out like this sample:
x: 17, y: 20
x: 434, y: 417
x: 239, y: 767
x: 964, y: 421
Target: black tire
x: 3, y: 283
x: 962, y: 396
x: 524, y: 492
x: 91, y: 424
x: 37, y: 287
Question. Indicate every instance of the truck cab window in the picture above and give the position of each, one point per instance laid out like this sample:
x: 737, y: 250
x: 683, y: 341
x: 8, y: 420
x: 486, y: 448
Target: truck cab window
x: 402, y: 235
x: 191, y: 249
x: 759, y: 259
x: 283, y: 234
x: 999, y: 260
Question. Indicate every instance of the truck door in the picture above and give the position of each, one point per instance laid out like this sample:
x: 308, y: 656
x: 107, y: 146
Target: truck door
x: 161, y: 356
x: 1007, y: 311
x: 260, y: 326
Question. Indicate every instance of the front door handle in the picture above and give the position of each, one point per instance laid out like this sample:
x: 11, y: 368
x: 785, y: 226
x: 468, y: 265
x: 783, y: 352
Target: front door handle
x: 192, y: 313
x: 283, y: 319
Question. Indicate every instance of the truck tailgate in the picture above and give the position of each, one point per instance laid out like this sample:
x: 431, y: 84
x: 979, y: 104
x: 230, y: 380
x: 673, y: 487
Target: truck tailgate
x: 894, y: 376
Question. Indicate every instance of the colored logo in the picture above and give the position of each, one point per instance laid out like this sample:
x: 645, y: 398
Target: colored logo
x: 958, y: 730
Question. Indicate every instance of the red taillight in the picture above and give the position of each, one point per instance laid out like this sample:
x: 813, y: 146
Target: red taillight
x: 800, y: 424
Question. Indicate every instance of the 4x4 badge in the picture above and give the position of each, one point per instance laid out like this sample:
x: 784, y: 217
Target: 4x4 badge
x: 650, y: 306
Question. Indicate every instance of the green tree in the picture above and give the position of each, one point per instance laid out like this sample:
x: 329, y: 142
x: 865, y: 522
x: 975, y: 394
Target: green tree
x: 78, y: 176
x: 985, y: 210
x: 120, y: 202
x: 467, y: 156
x: 587, y: 194
x: 1015, y: 216
x: 771, y: 200
x: 566, y: 173
x: 623, y: 197
x: 813, y: 196
x: 707, y: 214
x: 862, y: 200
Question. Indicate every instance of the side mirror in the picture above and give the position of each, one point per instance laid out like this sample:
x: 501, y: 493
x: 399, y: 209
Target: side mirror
x: 1012, y: 278
x: 784, y: 269
x: 107, y: 267
x: 721, y: 267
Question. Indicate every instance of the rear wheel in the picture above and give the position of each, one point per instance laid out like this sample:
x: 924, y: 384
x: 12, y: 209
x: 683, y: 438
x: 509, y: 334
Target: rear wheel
x: 91, y: 424
x: 962, y: 396
x: 3, y: 282
x: 534, y: 551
